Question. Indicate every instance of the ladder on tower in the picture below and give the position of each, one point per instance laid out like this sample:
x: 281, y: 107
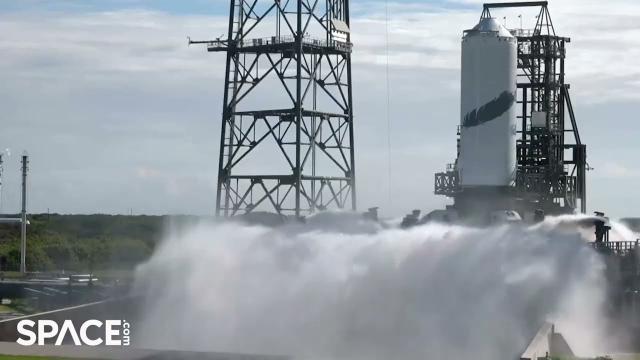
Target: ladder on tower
x: 228, y: 137
x: 232, y: 84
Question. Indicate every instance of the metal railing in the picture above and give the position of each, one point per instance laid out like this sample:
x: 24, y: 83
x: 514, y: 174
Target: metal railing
x: 275, y: 40
x: 521, y: 32
x: 617, y: 247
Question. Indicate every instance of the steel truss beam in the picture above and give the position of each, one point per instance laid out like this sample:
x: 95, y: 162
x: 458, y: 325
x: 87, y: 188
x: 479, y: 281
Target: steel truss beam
x: 306, y: 139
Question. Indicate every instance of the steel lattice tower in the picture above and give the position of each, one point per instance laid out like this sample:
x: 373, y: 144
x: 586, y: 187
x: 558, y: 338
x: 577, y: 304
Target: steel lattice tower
x: 287, y: 120
x: 552, y: 160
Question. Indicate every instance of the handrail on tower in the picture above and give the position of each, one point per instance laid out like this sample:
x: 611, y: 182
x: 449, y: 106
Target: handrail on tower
x: 515, y: 4
x: 486, y: 13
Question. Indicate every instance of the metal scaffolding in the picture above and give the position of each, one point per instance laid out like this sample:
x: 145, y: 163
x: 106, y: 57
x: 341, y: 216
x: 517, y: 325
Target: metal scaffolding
x: 551, y: 157
x: 302, y: 142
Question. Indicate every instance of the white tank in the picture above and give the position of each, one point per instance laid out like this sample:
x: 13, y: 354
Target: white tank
x: 488, y: 106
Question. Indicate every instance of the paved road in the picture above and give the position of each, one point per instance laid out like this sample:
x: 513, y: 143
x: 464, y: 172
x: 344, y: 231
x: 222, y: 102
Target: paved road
x: 123, y: 353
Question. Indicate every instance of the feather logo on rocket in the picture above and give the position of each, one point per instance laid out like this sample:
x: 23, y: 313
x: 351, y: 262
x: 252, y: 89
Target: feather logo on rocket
x: 490, y: 110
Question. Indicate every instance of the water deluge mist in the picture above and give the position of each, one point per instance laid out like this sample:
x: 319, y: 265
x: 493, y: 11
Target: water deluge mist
x: 340, y: 287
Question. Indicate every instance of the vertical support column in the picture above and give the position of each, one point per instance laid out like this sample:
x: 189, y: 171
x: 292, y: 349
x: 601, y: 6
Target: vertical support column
x: 524, y: 115
x: 582, y: 177
x: 297, y: 173
x: 1, y: 169
x: 560, y: 94
x: 350, y: 119
x: 226, y: 114
x: 23, y: 220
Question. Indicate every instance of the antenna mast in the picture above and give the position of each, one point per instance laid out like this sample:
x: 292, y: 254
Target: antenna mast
x: 23, y: 222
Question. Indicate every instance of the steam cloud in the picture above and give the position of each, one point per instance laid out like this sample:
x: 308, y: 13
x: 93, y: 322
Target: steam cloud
x: 341, y: 287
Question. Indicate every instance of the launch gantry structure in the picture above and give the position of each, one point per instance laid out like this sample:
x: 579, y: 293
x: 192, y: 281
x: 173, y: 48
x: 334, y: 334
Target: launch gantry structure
x: 551, y: 158
x: 286, y: 142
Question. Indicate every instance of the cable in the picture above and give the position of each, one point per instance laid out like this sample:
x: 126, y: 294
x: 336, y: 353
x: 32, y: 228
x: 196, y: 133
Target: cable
x: 386, y: 9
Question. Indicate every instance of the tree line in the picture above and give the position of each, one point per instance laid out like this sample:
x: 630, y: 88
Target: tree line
x: 81, y: 242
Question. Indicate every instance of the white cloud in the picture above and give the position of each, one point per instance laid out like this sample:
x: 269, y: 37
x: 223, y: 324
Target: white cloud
x: 602, y: 55
x: 96, y: 44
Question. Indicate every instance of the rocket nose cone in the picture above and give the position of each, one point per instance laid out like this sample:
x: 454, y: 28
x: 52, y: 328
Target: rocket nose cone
x: 490, y: 25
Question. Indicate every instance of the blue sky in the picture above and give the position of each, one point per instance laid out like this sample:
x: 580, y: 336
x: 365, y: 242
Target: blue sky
x: 118, y: 113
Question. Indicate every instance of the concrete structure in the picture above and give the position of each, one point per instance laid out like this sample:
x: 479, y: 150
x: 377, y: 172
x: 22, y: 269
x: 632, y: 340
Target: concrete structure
x: 547, y: 343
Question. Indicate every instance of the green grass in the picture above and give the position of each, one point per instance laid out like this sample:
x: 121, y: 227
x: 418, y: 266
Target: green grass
x: 5, y: 309
x: 13, y: 275
x: 112, y: 274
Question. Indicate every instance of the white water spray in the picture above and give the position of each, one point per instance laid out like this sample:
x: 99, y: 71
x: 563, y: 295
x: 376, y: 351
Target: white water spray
x: 340, y: 287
